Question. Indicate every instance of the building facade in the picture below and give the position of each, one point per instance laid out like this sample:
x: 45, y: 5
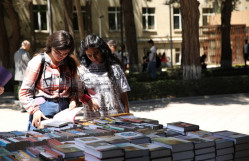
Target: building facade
x: 154, y: 19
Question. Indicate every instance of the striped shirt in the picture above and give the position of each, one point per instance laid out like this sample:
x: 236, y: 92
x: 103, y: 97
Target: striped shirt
x: 55, y: 82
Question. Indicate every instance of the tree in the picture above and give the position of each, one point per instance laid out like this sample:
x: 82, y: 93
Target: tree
x: 190, y: 34
x: 32, y: 25
x: 130, y: 33
x: 226, y: 52
x: 14, y: 38
x: 80, y: 19
x: 4, y: 43
x: 226, y: 8
x: 68, y: 12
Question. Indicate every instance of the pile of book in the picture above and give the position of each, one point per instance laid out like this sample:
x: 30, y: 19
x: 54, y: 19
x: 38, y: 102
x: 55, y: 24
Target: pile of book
x: 124, y: 137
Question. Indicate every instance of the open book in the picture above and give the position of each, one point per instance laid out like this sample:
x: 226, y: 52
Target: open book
x: 62, y: 118
x: 5, y: 76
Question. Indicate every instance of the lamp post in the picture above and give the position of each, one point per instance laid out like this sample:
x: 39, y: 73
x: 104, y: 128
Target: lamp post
x: 100, y: 29
x: 169, y: 2
x: 50, y: 17
x: 121, y: 29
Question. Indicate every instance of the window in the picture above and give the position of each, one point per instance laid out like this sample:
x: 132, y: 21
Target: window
x: 75, y: 18
x: 205, y: 13
x: 114, y: 18
x: 177, y: 56
x: 177, y: 18
x: 40, y: 17
x: 148, y: 18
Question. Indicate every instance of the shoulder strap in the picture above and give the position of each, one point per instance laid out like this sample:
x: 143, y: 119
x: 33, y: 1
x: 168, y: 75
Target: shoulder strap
x: 41, y: 68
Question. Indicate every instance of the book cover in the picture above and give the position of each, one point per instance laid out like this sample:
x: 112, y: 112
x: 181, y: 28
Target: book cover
x: 112, y: 139
x: 62, y: 118
x: 83, y: 140
x: 156, y: 151
x: 198, y: 142
x: 102, y: 149
x: 134, y: 137
x: 68, y: 150
x: 182, y: 126
x: 175, y: 144
x: 238, y: 138
x: 133, y: 150
x: 5, y: 76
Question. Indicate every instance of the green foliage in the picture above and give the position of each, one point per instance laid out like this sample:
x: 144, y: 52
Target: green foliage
x: 213, y: 81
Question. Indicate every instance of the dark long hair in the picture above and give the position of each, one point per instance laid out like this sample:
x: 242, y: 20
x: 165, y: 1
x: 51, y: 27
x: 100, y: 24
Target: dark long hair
x: 63, y: 40
x: 94, y: 41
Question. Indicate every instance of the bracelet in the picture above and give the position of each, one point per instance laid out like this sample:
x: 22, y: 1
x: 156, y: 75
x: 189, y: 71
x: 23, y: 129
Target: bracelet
x: 85, y: 98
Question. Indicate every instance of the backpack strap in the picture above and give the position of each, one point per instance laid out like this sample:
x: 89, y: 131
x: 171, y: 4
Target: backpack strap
x: 41, y: 68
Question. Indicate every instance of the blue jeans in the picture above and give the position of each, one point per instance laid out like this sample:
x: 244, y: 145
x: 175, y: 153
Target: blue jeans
x: 151, y: 69
x: 49, y: 109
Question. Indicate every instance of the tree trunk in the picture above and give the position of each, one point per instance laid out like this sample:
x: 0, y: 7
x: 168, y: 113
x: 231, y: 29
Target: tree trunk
x: 80, y: 19
x: 4, y: 49
x: 130, y: 34
x: 14, y: 39
x: 226, y: 52
x: 32, y: 26
x: 190, y: 33
x: 89, y: 16
x: 68, y: 12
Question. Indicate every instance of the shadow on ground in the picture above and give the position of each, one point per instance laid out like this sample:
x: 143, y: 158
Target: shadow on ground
x: 218, y: 100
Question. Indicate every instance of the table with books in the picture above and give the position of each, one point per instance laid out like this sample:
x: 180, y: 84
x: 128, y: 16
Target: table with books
x: 123, y: 137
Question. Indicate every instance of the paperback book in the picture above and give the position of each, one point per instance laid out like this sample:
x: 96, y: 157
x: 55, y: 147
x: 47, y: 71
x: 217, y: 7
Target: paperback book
x: 182, y: 126
x: 175, y: 144
x: 102, y: 149
x: 62, y: 118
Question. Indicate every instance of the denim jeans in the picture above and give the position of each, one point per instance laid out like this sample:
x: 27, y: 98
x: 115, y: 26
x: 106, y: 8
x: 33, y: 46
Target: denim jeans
x: 151, y: 70
x: 49, y: 109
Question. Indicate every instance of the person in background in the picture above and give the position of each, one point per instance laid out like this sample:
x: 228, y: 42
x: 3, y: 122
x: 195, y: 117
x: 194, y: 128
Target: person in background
x: 113, y: 46
x: 104, y: 78
x: 246, y: 51
x: 164, y: 60
x: 123, y: 56
x: 145, y: 61
x: 21, y: 58
x: 151, y: 69
x: 1, y: 90
x: 50, y: 83
x: 203, y: 63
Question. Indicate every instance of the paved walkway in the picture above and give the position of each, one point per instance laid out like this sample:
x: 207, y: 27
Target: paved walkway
x: 212, y: 113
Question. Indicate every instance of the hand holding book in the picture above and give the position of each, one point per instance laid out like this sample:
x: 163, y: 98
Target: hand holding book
x: 1, y: 90
x: 5, y: 76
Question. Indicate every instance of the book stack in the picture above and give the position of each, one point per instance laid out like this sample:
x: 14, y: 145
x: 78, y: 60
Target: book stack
x: 203, y: 149
x: 157, y: 153
x: 134, y: 152
x: 181, y: 149
x: 241, y: 143
x: 81, y: 142
x: 102, y: 150
x: 68, y: 151
x: 223, y: 147
x: 134, y: 137
x: 182, y: 127
x: 6, y: 155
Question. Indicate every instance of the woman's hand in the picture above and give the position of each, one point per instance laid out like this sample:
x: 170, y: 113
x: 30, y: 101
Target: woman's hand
x: 72, y: 105
x: 1, y: 90
x: 36, y: 122
x: 93, y: 105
